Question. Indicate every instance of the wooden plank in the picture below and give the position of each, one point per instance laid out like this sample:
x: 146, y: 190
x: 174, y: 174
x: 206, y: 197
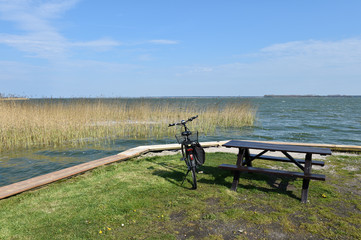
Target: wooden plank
x: 277, y: 147
x: 31, y: 183
x: 282, y: 159
x: 272, y: 171
x: 15, y: 188
x: 333, y: 147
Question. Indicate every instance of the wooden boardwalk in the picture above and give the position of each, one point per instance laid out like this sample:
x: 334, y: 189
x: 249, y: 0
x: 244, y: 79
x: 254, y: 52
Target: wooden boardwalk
x: 35, y: 182
x: 15, y: 188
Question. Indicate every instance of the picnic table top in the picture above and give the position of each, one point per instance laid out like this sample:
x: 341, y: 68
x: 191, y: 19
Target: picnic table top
x: 277, y: 147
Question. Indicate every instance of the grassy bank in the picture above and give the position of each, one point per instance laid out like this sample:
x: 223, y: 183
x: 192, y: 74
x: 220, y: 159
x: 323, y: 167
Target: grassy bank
x: 27, y: 124
x: 143, y: 199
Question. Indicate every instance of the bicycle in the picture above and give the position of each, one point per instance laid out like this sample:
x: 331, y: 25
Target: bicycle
x: 192, y: 152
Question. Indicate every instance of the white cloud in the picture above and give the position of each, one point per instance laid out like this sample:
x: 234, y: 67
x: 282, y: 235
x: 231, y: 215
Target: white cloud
x: 45, y: 45
x: 298, y: 67
x: 304, y: 56
x: 338, y: 50
x: 164, y: 41
x: 105, y: 42
x: 145, y: 57
x: 34, y: 16
x: 41, y: 39
x: 53, y: 9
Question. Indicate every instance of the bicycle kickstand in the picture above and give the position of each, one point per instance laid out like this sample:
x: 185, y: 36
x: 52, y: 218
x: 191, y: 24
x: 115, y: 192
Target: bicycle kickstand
x: 185, y: 176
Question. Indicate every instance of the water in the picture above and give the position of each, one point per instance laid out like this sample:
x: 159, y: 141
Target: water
x: 333, y: 120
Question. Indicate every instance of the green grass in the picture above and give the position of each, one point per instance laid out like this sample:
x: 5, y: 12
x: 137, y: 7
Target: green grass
x: 143, y: 199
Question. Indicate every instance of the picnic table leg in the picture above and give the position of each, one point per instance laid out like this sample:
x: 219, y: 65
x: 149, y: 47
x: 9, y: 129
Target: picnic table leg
x: 240, y: 157
x: 247, y: 157
x: 240, y: 162
x: 235, y: 181
x: 306, y: 182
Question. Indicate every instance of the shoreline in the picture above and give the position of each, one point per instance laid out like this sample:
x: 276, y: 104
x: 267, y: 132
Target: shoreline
x: 140, y: 151
x: 13, y: 99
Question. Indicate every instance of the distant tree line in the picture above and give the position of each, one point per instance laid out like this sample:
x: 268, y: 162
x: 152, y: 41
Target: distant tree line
x: 310, y: 95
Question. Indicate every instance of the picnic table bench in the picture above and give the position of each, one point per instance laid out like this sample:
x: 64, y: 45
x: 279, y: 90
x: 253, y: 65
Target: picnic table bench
x: 244, y: 161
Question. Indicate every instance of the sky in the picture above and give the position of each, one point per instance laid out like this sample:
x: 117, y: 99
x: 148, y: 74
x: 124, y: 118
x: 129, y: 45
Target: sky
x: 150, y: 48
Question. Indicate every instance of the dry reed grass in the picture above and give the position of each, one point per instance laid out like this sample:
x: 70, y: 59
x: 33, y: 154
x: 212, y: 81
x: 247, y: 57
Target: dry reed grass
x: 27, y: 124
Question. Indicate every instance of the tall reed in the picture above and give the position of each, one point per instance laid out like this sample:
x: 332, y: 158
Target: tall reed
x: 27, y: 124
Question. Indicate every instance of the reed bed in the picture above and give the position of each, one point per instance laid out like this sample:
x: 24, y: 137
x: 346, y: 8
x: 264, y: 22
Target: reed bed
x: 28, y: 124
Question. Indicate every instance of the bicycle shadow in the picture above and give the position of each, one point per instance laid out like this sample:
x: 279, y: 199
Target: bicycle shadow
x: 277, y: 184
x: 172, y: 174
x: 176, y: 174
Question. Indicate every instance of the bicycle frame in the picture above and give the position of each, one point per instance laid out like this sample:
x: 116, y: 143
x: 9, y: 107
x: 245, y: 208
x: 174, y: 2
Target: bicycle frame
x: 187, y: 148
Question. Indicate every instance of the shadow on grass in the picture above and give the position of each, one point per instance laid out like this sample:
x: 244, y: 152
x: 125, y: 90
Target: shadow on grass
x: 174, y: 175
x: 278, y: 184
x: 214, y: 175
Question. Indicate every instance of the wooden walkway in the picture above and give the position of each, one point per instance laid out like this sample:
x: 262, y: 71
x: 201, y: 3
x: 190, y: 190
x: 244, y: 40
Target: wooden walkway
x: 15, y: 188
x: 35, y: 182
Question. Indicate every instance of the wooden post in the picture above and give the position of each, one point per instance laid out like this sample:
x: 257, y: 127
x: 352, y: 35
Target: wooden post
x: 306, y: 182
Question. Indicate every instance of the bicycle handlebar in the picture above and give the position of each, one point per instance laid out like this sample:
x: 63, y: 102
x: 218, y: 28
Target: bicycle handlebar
x: 183, y: 122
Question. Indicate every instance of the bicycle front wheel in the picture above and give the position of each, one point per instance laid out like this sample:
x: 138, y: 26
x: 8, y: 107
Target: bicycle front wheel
x: 194, y: 177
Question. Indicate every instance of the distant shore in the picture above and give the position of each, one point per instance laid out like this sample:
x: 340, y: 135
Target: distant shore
x: 12, y: 98
x: 182, y: 97
x: 310, y: 95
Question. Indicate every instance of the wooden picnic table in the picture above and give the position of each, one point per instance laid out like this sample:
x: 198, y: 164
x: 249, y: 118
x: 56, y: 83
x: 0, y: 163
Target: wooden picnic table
x: 244, y: 161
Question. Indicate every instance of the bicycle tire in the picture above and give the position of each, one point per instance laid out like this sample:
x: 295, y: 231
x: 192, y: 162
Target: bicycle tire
x: 194, y: 177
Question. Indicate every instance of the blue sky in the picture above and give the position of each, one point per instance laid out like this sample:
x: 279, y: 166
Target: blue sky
x: 111, y: 48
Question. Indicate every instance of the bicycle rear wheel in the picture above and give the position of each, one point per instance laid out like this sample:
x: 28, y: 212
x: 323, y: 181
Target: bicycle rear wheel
x: 194, y: 177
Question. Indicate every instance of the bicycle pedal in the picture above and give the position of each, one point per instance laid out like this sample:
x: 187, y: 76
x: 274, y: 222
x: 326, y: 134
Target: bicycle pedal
x: 182, y: 159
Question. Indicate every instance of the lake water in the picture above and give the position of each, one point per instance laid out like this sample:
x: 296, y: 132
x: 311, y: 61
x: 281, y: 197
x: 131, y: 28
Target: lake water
x: 333, y: 120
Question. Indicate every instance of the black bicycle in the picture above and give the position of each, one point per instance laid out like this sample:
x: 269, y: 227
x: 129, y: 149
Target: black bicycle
x: 192, y: 152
